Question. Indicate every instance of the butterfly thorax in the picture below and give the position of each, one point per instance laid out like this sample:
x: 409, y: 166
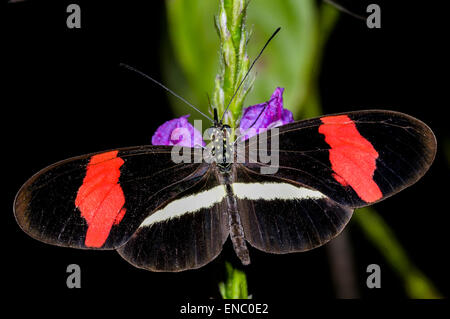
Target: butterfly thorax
x: 221, y: 146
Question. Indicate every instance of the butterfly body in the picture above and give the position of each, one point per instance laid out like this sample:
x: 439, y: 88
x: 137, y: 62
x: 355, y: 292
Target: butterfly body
x: 222, y: 153
x: 236, y: 229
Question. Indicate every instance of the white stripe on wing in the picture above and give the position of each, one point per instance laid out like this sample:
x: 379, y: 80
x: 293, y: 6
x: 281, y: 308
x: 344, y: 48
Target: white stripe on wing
x: 188, y: 204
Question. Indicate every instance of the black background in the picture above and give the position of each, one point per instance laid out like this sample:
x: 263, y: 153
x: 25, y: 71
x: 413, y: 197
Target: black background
x: 63, y: 94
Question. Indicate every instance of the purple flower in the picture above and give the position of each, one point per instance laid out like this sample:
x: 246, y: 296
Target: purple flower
x: 256, y: 119
x: 178, y: 132
x: 267, y: 115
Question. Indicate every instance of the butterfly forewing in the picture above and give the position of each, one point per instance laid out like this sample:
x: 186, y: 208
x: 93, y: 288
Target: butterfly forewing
x: 99, y: 200
x: 355, y: 158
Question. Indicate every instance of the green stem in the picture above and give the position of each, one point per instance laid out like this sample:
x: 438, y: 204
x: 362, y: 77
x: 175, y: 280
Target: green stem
x: 230, y: 23
x: 234, y: 64
x: 235, y: 286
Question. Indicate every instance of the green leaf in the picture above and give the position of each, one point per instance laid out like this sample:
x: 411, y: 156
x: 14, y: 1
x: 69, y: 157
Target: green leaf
x: 383, y: 238
x: 291, y: 60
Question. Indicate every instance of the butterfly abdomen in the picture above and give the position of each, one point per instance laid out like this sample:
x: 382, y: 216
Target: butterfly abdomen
x: 237, y: 235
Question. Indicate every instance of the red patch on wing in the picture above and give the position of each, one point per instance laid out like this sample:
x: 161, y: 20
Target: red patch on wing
x: 100, y: 198
x: 352, y: 157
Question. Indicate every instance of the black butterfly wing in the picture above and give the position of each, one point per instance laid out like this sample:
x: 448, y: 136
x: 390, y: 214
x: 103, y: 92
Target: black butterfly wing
x: 170, y: 217
x: 281, y: 216
x: 184, y: 233
x: 355, y: 158
x: 98, y: 200
x: 327, y: 167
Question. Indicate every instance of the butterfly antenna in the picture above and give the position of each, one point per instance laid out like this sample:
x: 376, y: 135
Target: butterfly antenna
x: 259, y: 115
x: 345, y: 10
x: 165, y: 88
x: 246, y: 74
x: 254, y: 122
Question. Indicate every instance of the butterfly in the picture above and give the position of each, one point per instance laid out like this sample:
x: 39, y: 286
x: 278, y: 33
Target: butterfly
x: 163, y: 212
x: 164, y: 215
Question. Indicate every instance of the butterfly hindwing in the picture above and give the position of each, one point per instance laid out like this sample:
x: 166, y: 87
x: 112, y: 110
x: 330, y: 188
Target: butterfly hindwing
x: 280, y: 216
x: 185, y: 232
x: 98, y: 200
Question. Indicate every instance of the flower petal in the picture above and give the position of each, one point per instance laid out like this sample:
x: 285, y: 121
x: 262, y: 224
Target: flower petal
x: 260, y: 117
x: 178, y: 132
